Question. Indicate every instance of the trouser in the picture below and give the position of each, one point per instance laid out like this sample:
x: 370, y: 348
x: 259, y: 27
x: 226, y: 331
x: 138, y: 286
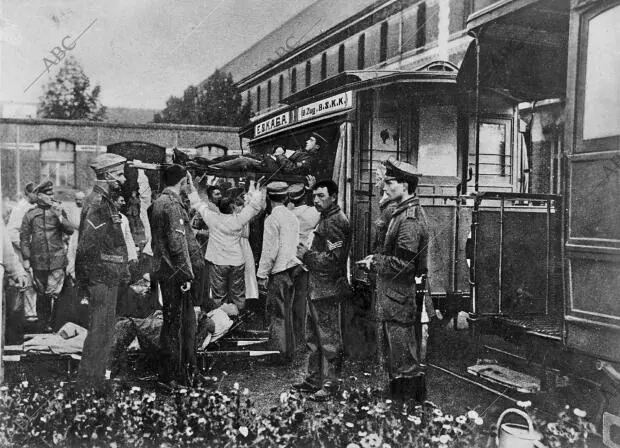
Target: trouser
x: 227, y: 284
x: 48, y: 285
x: 300, y: 307
x: 178, y: 332
x: 29, y: 299
x: 200, y: 290
x: 401, y: 348
x: 98, y: 343
x: 14, y: 308
x: 324, y: 340
x: 280, y: 313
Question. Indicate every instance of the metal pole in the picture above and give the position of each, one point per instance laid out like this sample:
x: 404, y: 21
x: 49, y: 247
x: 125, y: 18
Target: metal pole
x: 477, y: 109
x: 501, y: 254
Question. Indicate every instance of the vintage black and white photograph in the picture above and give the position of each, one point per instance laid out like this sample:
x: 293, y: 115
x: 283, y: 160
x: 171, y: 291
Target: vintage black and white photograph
x: 310, y: 223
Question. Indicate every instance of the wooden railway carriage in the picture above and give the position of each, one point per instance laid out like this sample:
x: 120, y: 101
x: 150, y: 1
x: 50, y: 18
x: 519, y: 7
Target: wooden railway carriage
x: 561, y: 57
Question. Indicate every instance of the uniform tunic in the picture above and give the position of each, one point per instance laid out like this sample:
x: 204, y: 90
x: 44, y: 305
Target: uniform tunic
x: 403, y: 257
x: 327, y: 262
x: 100, y: 264
x: 177, y: 256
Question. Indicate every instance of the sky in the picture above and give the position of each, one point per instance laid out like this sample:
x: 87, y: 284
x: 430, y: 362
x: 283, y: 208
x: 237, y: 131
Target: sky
x: 139, y: 51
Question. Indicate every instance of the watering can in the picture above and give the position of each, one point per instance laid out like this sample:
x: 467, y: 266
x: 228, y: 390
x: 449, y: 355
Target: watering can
x: 513, y: 435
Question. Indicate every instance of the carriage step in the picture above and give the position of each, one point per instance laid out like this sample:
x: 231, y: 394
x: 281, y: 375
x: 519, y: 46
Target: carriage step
x: 498, y: 374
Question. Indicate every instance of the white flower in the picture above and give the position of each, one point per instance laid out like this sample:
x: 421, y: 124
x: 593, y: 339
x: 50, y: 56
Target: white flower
x: 135, y: 389
x: 447, y: 428
x: 472, y: 415
x: 524, y: 404
x: 349, y: 425
x: 246, y: 391
x: 283, y: 397
x: 444, y: 438
x: 345, y: 394
x: 243, y: 430
x: 202, y: 421
x: 386, y: 445
x: 461, y: 419
x: 236, y: 386
x: 478, y: 421
x: 353, y: 445
x: 449, y: 417
x: 189, y: 431
x: 388, y: 401
x: 24, y: 383
x: 579, y: 413
x: 437, y: 412
x: 183, y: 391
x: 434, y: 439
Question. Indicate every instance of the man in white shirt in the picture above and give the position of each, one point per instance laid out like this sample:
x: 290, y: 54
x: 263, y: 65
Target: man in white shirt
x: 74, y: 215
x: 28, y: 295
x: 308, y: 217
x: 224, y: 252
x: 276, y: 268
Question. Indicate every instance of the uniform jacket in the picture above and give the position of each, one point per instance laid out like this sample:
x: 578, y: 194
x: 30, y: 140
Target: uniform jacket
x: 41, y: 238
x: 308, y: 218
x: 14, y: 225
x: 327, y: 258
x: 382, y: 222
x: 300, y: 162
x: 403, y: 257
x: 101, y: 255
x: 174, y: 243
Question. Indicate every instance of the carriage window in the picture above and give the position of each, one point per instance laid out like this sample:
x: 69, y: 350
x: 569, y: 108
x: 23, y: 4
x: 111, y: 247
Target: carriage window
x: 58, y: 162
x: 601, y: 117
x: 495, y: 154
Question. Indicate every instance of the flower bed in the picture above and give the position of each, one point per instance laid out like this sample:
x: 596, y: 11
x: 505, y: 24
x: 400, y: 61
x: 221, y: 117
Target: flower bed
x: 59, y: 415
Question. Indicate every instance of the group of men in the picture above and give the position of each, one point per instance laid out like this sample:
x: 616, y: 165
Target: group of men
x: 303, y: 266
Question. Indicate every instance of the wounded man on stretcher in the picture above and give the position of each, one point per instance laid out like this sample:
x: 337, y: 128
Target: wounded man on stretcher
x: 143, y: 334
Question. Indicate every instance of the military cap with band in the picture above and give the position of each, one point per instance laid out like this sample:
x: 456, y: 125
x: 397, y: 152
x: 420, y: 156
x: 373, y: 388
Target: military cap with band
x: 277, y: 188
x: 296, y: 191
x: 29, y: 188
x: 45, y: 187
x: 107, y: 161
x: 318, y: 137
x: 401, y: 171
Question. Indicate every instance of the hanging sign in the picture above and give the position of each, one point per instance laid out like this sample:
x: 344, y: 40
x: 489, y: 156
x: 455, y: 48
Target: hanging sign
x: 273, y: 123
x: 335, y: 103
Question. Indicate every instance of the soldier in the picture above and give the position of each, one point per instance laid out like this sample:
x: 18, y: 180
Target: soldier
x: 100, y: 264
x: 276, y: 268
x: 176, y: 257
x: 326, y: 261
x: 43, y: 248
x: 402, y: 259
x: 302, y: 160
x: 27, y: 297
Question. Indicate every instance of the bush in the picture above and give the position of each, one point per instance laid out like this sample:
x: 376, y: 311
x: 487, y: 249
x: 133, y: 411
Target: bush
x: 60, y: 415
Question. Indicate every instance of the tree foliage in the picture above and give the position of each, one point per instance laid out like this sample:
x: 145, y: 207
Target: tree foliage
x: 216, y: 102
x: 69, y: 95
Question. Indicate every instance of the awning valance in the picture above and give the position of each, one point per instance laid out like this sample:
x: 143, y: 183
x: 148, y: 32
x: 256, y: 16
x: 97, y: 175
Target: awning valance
x: 523, y: 49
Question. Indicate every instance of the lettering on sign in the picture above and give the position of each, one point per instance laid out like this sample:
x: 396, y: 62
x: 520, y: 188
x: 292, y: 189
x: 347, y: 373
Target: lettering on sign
x: 273, y: 123
x: 329, y: 105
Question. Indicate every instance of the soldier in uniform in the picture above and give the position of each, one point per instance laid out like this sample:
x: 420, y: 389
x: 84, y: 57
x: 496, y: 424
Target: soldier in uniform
x: 326, y: 260
x: 402, y: 259
x: 302, y: 160
x: 101, y: 264
x: 177, y: 258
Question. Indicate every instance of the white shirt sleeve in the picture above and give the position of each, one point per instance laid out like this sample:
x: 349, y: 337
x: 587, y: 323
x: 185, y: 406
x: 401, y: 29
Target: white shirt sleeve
x: 270, y: 248
x: 132, y: 253
x: 144, y: 192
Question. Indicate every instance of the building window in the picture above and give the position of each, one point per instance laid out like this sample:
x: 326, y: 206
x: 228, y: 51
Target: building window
x: 211, y: 150
x: 257, y: 98
x: 341, y: 58
x: 58, y: 162
x: 280, y: 88
x: 308, y: 73
x: 420, y: 38
x: 324, y: 66
x: 293, y: 80
x: 383, y: 42
x: 361, y: 49
x: 269, y: 93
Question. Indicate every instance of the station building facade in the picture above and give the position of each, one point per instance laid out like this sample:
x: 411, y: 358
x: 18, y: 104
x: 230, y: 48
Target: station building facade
x: 33, y: 150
